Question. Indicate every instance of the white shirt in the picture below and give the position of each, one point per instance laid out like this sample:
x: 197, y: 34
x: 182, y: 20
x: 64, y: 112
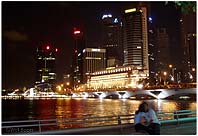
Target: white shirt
x: 138, y: 116
x: 151, y: 115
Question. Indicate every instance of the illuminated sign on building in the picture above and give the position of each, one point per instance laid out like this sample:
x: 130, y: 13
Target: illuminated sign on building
x: 130, y: 10
x: 95, y: 50
x: 106, y: 16
x: 76, y: 32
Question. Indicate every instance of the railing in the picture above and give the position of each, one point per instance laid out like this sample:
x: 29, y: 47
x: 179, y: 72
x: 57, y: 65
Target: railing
x: 177, y: 117
x: 40, y: 126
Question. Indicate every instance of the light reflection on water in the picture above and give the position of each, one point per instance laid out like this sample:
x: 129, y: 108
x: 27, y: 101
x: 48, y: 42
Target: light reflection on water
x: 75, y: 108
x: 108, y: 107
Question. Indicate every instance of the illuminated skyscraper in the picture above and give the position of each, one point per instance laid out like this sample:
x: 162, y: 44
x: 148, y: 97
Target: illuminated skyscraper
x: 94, y: 59
x: 135, y: 36
x: 152, y: 50
x: 77, y: 65
x: 111, y: 36
x: 45, y: 64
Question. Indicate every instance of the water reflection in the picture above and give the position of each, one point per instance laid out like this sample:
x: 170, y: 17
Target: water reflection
x: 78, y: 108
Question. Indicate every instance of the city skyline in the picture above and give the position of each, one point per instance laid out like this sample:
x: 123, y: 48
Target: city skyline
x: 53, y: 22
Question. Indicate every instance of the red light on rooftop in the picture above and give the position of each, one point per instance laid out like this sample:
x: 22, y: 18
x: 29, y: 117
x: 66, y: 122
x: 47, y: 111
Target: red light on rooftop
x: 76, y: 32
x: 48, y: 47
x: 56, y: 50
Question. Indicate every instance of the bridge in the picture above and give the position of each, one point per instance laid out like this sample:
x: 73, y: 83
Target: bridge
x: 156, y: 93
x: 185, y: 93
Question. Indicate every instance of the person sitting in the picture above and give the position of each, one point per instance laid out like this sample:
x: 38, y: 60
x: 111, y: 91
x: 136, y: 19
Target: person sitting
x: 151, y: 117
x: 146, y: 120
x: 140, y: 122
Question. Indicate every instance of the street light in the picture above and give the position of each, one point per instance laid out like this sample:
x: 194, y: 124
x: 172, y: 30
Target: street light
x: 67, y: 83
x: 172, y: 72
x: 59, y: 88
x: 172, y: 78
x: 165, y: 73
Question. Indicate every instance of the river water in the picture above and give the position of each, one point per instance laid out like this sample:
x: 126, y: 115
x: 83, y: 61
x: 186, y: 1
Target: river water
x: 75, y: 108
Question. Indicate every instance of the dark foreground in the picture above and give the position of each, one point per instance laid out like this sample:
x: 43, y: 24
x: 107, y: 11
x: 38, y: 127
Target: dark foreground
x: 188, y: 128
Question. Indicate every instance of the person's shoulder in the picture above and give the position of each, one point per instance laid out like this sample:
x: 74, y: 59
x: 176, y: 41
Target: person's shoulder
x: 140, y: 113
x: 151, y: 110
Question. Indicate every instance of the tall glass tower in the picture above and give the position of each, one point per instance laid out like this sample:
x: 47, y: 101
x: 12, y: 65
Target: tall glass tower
x: 45, y: 65
x: 111, y: 36
x: 135, y: 38
x: 77, y: 58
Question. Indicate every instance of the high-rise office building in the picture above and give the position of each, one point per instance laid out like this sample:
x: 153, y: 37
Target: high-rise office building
x: 45, y: 65
x: 77, y: 59
x: 152, y: 50
x: 188, y: 41
x: 163, y: 49
x: 135, y: 37
x: 111, y: 36
x: 94, y: 59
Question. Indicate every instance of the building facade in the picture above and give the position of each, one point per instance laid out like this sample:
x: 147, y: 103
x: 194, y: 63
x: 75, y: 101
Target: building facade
x: 163, y: 49
x: 119, y: 77
x: 188, y: 42
x: 112, y: 42
x: 152, y: 50
x: 45, y: 65
x: 77, y: 58
x: 94, y: 59
x: 135, y: 37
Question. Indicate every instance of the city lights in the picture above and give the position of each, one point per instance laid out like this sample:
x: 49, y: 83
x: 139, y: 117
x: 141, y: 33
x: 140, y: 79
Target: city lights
x: 140, y: 86
x: 95, y: 50
x: 106, y: 16
x: 115, y: 20
x: 47, y: 47
x: 67, y: 83
x: 86, y: 67
x: 165, y: 73
x: 59, y: 88
x: 116, y: 77
x: 130, y: 10
x: 150, y: 19
x: 76, y: 32
x: 56, y: 50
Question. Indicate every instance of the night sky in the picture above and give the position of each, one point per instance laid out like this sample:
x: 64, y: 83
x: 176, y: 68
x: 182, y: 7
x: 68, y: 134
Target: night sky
x: 25, y: 25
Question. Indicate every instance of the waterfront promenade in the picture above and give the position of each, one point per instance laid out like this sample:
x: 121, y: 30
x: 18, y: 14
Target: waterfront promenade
x: 174, y: 129
x: 182, y: 123
x: 181, y: 129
